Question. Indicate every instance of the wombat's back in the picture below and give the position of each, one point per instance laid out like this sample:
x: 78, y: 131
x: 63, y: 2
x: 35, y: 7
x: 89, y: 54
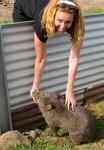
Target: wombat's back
x: 83, y: 130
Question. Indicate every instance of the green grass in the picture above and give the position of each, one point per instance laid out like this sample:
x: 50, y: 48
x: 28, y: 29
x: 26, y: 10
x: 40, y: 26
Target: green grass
x: 5, y: 21
x: 46, y: 142
x: 93, y: 11
x: 43, y: 143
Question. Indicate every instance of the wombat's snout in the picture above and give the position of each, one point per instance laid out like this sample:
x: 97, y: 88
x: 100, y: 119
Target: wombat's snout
x: 46, y: 94
x: 42, y: 95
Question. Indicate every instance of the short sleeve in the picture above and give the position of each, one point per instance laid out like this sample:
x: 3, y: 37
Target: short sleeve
x: 40, y: 32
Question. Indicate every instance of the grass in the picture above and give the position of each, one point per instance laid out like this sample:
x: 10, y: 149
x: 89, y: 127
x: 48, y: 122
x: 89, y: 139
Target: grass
x: 93, y: 11
x: 63, y: 142
x: 5, y: 21
x: 43, y: 143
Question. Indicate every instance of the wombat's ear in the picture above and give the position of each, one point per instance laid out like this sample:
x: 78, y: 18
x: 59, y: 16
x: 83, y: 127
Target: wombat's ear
x: 56, y: 95
x: 48, y: 107
x: 60, y: 96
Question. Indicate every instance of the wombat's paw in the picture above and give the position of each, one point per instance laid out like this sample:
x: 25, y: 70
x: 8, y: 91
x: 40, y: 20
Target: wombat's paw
x: 81, y: 138
x: 53, y: 134
x: 77, y: 137
x: 76, y: 142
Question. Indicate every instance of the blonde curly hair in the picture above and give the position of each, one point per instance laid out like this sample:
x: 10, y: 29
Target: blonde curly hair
x: 48, y: 21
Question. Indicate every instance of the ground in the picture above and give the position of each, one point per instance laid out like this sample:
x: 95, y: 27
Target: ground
x: 6, y: 11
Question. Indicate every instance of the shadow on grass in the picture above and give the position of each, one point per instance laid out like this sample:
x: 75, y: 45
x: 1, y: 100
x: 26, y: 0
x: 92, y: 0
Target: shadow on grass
x: 100, y: 127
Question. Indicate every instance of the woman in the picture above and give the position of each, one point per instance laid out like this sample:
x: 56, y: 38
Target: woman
x: 51, y: 17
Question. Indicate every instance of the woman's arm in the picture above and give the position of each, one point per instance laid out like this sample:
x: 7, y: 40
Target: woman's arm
x: 73, y: 65
x: 40, y: 62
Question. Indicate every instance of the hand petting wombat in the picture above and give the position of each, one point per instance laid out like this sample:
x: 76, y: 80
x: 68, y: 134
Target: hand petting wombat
x: 79, y: 123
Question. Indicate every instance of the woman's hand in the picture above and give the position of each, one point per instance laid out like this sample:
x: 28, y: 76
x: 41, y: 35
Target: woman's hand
x: 34, y: 91
x: 70, y: 100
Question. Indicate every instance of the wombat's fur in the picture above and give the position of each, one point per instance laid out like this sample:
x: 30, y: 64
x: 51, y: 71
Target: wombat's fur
x: 79, y: 123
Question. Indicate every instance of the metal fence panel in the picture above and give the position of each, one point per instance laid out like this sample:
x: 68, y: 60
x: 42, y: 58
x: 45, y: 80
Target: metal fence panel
x: 19, y: 56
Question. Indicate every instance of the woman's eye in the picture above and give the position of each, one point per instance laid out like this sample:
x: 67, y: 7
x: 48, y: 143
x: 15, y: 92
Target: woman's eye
x: 68, y: 22
x: 59, y: 21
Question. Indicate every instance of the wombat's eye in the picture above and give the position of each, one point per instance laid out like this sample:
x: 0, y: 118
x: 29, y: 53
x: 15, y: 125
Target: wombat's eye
x: 57, y: 95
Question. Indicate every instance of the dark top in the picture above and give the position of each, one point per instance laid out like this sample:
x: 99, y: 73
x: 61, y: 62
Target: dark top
x: 25, y: 10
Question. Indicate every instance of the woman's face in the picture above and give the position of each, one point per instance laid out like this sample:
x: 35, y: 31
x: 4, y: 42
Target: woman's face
x: 63, y: 20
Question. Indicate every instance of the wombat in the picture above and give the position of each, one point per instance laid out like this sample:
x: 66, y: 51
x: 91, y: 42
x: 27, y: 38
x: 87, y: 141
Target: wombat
x: 80, y: 123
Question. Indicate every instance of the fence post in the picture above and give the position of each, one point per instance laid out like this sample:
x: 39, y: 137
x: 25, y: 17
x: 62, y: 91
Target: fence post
x: 5, y: 124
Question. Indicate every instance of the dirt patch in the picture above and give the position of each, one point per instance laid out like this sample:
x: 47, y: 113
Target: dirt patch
x: 92, y: 4
x: 6, y: 11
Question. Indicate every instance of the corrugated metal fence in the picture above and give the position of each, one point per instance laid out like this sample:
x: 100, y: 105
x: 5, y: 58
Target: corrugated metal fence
x: 18, y: 57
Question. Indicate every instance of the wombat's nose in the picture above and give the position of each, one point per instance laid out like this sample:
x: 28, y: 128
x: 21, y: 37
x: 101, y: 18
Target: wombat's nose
x: 46, y: 94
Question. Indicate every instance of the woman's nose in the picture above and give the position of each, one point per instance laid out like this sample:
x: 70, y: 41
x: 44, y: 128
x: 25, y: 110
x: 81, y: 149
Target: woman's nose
x: 62, y: 25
